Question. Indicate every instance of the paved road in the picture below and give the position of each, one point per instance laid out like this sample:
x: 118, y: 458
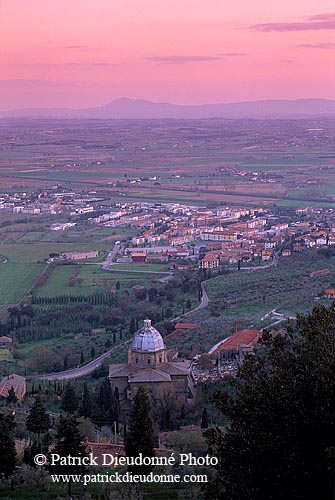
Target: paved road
x: 203, y: 302
x: 95, y: 363
x: 111, y: 255
x: 204, y: 296
x: 273, y: 263
x: 82, y: 370
x: 170, y: 273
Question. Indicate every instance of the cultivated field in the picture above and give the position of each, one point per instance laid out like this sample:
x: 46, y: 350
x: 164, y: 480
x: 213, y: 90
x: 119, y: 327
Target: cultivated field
x: 15, y: 280
x: 245, y: 162
x: 248, y: 296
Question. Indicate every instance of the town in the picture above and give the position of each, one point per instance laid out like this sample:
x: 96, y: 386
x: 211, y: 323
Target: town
x: 208, y: 237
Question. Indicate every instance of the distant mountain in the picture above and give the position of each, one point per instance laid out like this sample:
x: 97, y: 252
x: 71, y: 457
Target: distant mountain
x: 125, y: 108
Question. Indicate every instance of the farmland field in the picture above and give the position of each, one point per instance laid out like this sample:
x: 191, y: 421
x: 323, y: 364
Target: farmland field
x: 288, y: 288
x: 245, y: 162
x: 6, y: 355
x: 91, y: 278
x: 15, y: 280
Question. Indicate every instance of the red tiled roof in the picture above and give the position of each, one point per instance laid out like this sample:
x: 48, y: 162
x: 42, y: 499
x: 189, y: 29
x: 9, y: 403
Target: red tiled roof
x: 245, y: 337
x: 6, y: 339
x: 185, y: 326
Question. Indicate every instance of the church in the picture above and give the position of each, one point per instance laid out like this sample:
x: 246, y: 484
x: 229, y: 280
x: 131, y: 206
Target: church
x: 148, y: 366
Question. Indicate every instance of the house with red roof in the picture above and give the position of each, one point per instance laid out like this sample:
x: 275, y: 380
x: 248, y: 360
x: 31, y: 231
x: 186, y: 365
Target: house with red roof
x: 229, y: 347
x: 329, y: 293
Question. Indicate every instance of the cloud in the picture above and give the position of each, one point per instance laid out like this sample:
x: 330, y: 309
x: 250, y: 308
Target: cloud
x: 176, y: 59
x: 75, y: 47
x: 182, y: 59
x: 26, y: 83
x: 321, y: 45
x: 69, y: 64
x: 99, y: 64
x: 328, y: 16
x: 233, y: 54
x: 319, y: 22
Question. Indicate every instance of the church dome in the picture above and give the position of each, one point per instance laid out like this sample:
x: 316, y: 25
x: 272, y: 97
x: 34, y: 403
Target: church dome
x: 148, y: 339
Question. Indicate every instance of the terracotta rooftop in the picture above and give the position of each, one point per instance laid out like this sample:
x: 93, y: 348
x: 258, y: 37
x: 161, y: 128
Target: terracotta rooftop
x: 186, y: 326
x: 17, y: 382
x: 6, y: 339
x: 245, y: 337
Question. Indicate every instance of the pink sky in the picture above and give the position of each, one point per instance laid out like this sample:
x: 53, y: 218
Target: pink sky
x: 77, y: 53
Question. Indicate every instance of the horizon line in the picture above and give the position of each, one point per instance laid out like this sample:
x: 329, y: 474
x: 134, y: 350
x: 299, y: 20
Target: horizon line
x: 93, y: 106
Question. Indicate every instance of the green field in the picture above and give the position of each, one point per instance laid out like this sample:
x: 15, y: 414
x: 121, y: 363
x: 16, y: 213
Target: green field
x: 288, y: 287
x: 15, y: 280
x: 6, y: 355
x: 92, y: 278
x: 207, y: 155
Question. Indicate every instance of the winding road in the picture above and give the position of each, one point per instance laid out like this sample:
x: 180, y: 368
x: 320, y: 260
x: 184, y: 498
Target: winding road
x: 95, y: 363
x: 81, y: 371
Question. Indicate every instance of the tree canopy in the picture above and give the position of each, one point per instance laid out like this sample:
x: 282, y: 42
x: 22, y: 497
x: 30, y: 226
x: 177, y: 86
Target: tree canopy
x: 279, y: 444
x: 140, y: 434
x: 7, y: 446
x: 38, y: 420
x: 70, y: 399
x: 68, y: 442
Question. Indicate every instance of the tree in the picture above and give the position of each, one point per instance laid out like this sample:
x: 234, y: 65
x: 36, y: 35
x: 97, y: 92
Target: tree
x: 68, y: 442
x: 132, y: 326
x: 65, y: 364
x: 38, y: 421
x: 92, y: 352
x: 11, y: 397
x: 107, y: 405
x: 7, y: 446
x: 168, y: 312
x: 82, y: 358
x: 117, y: 286
x: 140, y: 434
x: 86, y: 408
x: 69, y: 401
x: 30, y: 452
x: 280, y: 440
x: 204, y: 419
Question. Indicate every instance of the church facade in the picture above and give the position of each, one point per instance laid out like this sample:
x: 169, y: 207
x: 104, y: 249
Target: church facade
x: 149, y: 367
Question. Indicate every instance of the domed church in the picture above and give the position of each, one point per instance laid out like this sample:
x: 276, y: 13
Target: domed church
x: 149, y: 367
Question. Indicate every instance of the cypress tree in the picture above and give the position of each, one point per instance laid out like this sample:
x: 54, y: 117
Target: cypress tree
x: 30, y: 453
x: 69, y: 401
x: 132, y: 326
x: 140, y: 434
x: 11, y: 398
x: 68, y: 442
x: 86, y: 408
x: 7, y: 446
x: 38, y: 420
x: 204, y: 419
x: 82, y: 358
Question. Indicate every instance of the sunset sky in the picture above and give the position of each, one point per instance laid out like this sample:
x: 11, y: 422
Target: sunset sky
x: 77, y: 53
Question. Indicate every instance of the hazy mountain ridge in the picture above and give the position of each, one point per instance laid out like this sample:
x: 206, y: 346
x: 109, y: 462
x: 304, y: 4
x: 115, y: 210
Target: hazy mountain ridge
x: 125, y: 108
